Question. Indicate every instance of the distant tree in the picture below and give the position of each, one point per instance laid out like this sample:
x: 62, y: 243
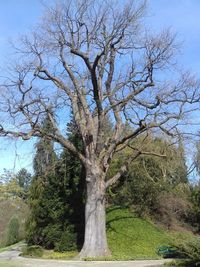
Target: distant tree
x: 9, y: 186
x: 45, y: 157
x: 197, y: 157
x: 12, y: 231
x: 24, y: 178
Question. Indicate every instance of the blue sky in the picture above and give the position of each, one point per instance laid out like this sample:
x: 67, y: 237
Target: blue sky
x: 18, y: 16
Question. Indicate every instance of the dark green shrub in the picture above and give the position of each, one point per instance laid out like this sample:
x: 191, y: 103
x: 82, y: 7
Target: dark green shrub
x: 68, y: 241
x: 190, y: 251
x: 32, y: 251
x: 12, y: 235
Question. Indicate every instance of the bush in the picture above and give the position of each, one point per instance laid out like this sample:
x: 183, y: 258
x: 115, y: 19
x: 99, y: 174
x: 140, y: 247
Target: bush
x: 190, y: 251
x: 32, y: 251
x: 171, y: 209
x: 67, y: 241
x: 194, y: 216
x: 12, y: 235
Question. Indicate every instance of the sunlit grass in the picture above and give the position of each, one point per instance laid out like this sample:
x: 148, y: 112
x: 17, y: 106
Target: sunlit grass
x: 50, y: 254
x: 130, y: 237
x: 5, y: 264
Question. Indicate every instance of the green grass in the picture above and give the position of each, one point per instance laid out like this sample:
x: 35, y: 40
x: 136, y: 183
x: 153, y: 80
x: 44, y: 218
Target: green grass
x: 132, y: 238
x: 50, y: 254
x: 39, y: 252
x: 5, y: 264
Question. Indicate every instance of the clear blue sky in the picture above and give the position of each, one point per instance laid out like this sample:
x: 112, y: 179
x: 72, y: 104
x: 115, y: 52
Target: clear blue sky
x: 18, y: 16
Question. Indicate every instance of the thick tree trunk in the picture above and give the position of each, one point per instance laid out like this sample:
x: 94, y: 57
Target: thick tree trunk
x: 95, y: 241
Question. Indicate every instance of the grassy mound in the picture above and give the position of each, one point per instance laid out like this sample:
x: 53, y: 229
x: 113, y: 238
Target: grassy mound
x: 130, y: 237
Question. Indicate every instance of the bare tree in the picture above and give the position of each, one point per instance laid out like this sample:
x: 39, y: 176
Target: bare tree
x: 96, y: 58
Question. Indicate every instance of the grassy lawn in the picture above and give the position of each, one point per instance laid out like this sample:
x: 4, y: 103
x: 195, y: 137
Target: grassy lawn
x: 50, y: 254
x: 132, y: 238
x: 9, y: 265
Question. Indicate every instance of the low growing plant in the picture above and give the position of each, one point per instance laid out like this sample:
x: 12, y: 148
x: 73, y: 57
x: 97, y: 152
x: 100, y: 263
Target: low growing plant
x: 32, y: 251
x: 190, y: 251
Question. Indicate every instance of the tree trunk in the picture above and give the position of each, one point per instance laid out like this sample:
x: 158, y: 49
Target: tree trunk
x: 95, y: 240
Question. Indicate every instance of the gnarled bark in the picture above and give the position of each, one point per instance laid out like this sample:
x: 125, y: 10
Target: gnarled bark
x: 95, y: 242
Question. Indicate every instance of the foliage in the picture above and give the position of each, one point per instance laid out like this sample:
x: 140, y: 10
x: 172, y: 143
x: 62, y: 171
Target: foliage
x: 24, y: 178
x: 9, y: 186
x: 190, y: 250
x: 56, y: 198
x: 194, y: 216
x: 45, y: 157
x: 32, y: 251
x: 154, y: 186
x: 49, y: 211
x: 12, y: 235
x: 197, y: 157
x: 50, y: 254
x: 68, y: 240
x: 10, y: 208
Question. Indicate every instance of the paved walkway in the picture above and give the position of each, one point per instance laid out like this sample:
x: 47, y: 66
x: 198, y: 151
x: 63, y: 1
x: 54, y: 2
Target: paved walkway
x: 12, y: 256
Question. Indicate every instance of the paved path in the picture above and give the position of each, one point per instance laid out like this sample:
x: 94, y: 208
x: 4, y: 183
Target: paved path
x: 12, y: 256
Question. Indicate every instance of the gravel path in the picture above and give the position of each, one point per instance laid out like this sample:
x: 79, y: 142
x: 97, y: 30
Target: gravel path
x: 12, y: 256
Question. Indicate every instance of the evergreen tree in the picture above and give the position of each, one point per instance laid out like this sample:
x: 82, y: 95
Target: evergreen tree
x: 45, y: 157
x: 74, y: 172
x: 23, y: 179
x: 56, y: 196
x: 41, y: 200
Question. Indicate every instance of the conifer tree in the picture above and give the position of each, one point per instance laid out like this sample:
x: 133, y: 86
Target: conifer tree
x: 74, y: 171
x: 56, y: 197
x: 44, y: 169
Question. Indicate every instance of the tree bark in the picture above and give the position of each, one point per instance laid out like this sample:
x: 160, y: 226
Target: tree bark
x: 95, y: 242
